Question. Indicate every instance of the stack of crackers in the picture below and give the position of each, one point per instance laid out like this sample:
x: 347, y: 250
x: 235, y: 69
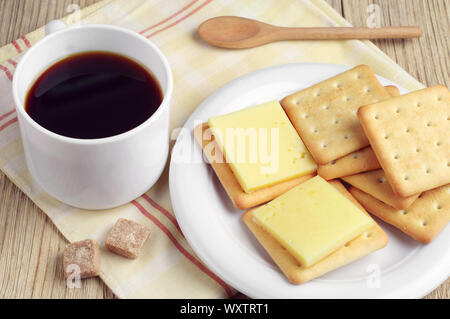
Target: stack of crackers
x: 392, y: 150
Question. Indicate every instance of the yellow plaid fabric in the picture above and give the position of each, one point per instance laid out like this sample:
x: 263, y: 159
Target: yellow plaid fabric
x: 168, y: 268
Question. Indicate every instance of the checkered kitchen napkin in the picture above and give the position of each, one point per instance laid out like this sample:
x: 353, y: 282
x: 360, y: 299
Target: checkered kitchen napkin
x: 168, y: 268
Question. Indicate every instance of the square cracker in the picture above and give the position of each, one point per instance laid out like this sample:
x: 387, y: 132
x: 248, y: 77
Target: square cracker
x: 324, y: 115
x: 364, y: 244
x: 357, y: 162
x: 240, y: 199
x: 423, y: 220
x: 410, y: 137
x: 375, y: 184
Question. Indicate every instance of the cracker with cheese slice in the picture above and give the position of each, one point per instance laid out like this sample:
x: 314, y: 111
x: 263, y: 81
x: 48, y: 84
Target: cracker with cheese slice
x: 256, y: 153
x: 240, y: 199
x: 370, y: 240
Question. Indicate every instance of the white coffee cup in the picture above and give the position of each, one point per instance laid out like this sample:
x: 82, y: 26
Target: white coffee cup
x: 94, y: 173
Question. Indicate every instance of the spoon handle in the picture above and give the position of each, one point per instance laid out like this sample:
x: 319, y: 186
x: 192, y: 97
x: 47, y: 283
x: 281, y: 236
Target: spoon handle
x: 347, y: 33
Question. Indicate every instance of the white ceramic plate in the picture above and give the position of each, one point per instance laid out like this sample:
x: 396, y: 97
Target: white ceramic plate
x: 213, y: 227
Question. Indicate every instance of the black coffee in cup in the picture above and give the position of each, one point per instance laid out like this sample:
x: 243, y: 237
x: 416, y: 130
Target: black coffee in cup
x: 93, y: 95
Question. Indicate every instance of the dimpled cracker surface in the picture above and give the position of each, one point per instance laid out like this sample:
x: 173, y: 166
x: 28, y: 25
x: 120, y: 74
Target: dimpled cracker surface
x: 366, y: 243
x: 360, y: 161
x: 353, y: 163
x: 240, y: 199
x: 423, y: 220
x: 374, y: 183
x: 325, y: 114
x: 410, y: 137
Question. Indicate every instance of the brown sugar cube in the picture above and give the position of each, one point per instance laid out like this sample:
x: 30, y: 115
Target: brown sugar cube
x: 126, y: 238
x: 84, y: 255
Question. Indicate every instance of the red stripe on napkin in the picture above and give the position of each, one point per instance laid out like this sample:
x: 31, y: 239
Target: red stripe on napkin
x: 180, y: 20
x: 25, y: 40
x: 6, y: 114
x: 167, y: 19
x: 17, y: 46
x: 182, y: 249
x: 10, y: 122
x: 162, y: 210
x: 12, y: 62
x: 7, y: 72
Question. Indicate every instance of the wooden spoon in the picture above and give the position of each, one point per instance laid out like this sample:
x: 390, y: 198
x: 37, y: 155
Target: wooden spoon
x: 239, y: 33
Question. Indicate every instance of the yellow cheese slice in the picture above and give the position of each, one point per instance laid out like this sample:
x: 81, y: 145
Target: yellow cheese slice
x: 312, y: 220
x: 261, y: 146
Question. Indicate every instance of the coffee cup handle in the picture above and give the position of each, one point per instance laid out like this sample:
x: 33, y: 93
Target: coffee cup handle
x: 54, y: 26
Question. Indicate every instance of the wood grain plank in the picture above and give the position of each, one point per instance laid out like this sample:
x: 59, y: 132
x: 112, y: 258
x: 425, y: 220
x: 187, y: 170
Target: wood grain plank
x: 19, y: 17
x: 427, y: 58
x: 30, y: 245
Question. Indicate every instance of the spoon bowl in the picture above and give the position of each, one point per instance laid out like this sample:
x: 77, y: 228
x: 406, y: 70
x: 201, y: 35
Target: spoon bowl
x: 235, y: 32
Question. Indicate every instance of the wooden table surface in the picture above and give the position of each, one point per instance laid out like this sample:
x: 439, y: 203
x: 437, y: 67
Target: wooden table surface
x: 30, y: 245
